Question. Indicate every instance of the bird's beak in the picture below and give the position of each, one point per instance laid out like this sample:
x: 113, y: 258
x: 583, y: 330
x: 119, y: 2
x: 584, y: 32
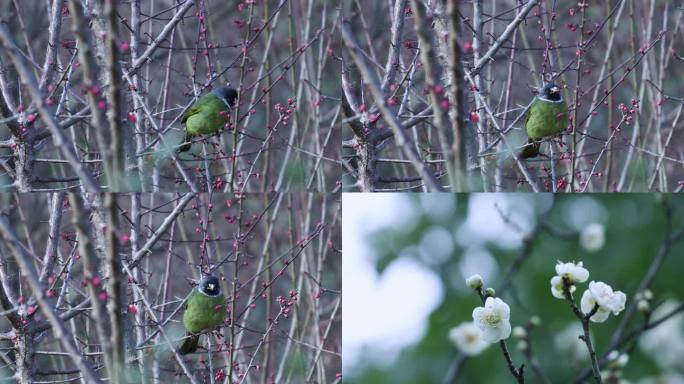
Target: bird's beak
x: 555, y: 90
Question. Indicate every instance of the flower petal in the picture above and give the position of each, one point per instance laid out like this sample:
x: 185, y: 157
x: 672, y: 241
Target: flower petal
x: 504, y: 309
x: 491, y: 334
x: 478, y: 316
x: 618, y: 302
x: 600, y: 316
x: 587, y: 302
x: 505, y: 330
x: 580, y: 275
x: 557, y: 287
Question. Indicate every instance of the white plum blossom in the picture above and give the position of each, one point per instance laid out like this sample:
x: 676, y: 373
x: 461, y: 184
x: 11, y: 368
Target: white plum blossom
x: 607, y: 298
x: 557, y: 287
x: 493, y: 320
x: 593, y: 237
x: 587, y: 303
x: 576, y: 273
x: 475, y: 281
x: 608, y: 301
x: 573, y: 272
x: 467, y: 337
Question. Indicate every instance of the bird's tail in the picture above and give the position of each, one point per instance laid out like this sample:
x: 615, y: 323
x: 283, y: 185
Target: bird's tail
x: 189, y: 344
x: 531, y: 149
x: 187, y: 143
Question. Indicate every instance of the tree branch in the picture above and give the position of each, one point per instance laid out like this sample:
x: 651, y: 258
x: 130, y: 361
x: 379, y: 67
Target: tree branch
x: 400, y: 135
x: 504, y: 36
x: 61, y: 141
x: 46, y: 303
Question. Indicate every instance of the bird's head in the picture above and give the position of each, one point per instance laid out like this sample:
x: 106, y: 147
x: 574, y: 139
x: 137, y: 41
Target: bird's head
x: 551, y: 92
x: 209, y: 285
x: 226, y: 94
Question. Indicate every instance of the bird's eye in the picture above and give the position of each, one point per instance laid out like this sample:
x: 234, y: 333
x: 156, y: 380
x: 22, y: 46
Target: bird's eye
x: 555, y: 90
x: 211, y: 287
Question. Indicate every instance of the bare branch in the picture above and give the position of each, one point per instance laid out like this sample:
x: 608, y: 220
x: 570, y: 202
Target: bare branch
x: 403, y: 140
x: 46, y: 303
x: 504, y: 36
x: 62, y: 142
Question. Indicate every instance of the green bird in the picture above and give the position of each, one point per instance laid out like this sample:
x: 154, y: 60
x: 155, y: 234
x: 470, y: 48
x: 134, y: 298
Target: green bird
x: 548, y: 116
x: 204, y: 310
x: 208, y: 115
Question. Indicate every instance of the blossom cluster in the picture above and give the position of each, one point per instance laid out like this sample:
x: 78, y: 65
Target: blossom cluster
x: 570, y: 272
x: 492, y: 320
x: 599, y: 294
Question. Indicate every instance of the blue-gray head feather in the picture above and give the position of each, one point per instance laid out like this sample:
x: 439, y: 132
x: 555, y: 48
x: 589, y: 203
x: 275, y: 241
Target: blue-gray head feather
x: 226, y: 94
x: 209, y: 285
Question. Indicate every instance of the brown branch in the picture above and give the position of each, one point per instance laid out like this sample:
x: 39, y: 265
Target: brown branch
x: 7, y: 104
x: 116, y: 291
x: 142, y: 59
x: 433, y: 74
x: 404, y: 141
x: 397, y: 28
x: 581, y: 49
x: 54, y: 30
x: 93, y: 278
x: 350, y: 105
x: 141, y: 136
x: 86, y: 54
x: 44, y: 325
x: 504, y: 36
x: 45, y: 302
x: 116, y: 146
x: 53, y: 237
x: 8, y: 294
x: 61, y: 141
x: 457, y: 100
x: 145, y: 249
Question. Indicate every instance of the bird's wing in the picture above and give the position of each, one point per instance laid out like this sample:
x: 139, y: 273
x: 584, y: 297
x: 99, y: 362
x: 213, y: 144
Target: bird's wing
x: 529, y: 112
x: 194, y: 109
x: 187, y: 302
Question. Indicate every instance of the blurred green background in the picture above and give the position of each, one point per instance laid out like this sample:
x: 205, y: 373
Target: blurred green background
x: 453, y: 236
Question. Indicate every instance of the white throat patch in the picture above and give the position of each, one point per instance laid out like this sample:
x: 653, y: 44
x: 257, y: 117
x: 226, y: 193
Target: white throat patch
x: 206, y: 294
x: 542, y: 98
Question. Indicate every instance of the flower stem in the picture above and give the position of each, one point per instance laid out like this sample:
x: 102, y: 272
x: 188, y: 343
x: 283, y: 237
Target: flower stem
x: 590, y: 347
x: 516, y: 372
x: 585, y: 326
